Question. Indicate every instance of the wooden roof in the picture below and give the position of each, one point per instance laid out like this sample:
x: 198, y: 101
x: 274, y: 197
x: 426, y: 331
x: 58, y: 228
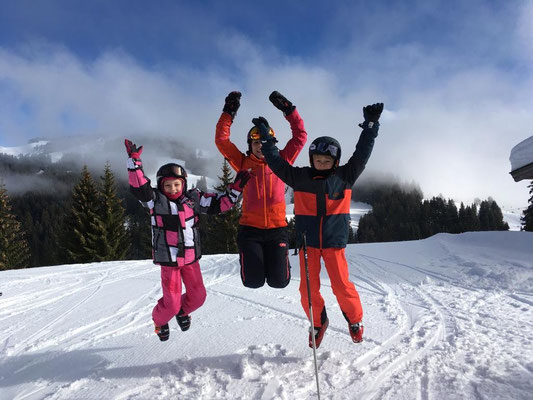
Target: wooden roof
x: 525, y: 172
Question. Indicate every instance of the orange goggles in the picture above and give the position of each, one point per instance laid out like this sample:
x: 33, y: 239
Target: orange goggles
x: 256, y: 135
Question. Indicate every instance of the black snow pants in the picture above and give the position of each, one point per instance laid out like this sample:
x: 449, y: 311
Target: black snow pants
x: 264, y: 256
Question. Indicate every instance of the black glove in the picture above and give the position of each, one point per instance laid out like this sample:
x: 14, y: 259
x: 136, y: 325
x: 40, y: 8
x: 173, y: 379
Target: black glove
x: 373, y: 112
x: 281, y: 103
x: 264, y: 130
x: 232, y: 104
x: 132, y: 149
x: 242, y: 177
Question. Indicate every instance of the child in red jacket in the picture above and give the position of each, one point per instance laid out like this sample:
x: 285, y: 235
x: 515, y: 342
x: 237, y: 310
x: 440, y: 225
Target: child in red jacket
x: 263, y: 238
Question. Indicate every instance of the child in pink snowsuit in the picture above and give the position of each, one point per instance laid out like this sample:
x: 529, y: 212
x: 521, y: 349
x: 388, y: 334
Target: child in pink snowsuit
x: 174, y: 214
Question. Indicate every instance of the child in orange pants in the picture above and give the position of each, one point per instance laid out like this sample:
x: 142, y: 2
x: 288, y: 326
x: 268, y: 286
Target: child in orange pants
x: 322, y: 196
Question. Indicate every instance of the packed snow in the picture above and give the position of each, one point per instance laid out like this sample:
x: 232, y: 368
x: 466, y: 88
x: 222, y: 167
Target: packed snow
x: 449, y: 317
x: 522, y: 154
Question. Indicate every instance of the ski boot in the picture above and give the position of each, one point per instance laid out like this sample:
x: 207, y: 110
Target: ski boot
x: 184, y: 321
x: 356, y: 332
x: 319, y: 334
x: 162, y: 331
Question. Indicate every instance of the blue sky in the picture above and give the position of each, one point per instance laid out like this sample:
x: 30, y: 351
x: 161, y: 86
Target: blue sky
x: 455, y: 76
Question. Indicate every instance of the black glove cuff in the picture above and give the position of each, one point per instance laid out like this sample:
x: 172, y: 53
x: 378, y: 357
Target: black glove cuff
x: 232, y: 113
x: 288, y: 111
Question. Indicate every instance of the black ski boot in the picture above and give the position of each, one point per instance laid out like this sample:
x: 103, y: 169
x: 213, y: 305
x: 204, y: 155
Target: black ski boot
x: 184, y: 321
x: 162, y: 331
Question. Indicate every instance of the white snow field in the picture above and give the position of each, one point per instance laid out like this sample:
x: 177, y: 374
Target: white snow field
x: 449, y: 317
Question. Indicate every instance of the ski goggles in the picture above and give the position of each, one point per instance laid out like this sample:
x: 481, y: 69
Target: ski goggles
x: 174, y: 170
x: 322, y: 148
x: 256, y: 135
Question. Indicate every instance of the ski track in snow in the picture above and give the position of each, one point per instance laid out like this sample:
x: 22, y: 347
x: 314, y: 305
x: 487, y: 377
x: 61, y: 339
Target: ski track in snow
x: 430, y: 333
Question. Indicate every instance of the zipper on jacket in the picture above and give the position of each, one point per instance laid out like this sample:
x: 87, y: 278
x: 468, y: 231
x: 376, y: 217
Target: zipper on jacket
x: 257, y: 188
x: 320, y: 232
x: 264, y: 195
x: 157, y: 240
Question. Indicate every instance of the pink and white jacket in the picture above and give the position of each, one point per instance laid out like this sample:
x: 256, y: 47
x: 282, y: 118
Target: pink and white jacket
x: 175, y: 236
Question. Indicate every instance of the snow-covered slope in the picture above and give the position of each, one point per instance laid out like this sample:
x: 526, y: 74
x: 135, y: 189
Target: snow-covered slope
x: 449, y: 317
x: 27, y: 149
x: 513, y: 218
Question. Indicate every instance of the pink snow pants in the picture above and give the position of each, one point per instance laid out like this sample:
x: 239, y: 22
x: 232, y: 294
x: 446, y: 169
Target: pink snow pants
x: 172, y: 301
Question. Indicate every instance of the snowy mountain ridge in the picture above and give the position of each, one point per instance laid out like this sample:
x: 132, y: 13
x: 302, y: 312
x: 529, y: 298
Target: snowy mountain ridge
x: 111, y: 150
x: 448, y: 317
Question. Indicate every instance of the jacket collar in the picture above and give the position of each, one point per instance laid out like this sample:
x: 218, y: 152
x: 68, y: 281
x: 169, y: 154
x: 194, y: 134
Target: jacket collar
x: 256, y: 159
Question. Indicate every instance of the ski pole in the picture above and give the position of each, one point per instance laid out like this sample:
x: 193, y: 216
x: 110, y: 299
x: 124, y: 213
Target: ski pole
x: 310, y: 312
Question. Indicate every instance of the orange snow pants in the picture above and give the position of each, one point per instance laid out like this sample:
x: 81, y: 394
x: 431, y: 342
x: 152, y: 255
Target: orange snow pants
x: 343, y: 289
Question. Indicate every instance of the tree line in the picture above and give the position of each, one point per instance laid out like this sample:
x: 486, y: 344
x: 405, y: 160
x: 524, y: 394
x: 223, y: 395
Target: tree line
x: 398, y: 214
x: 99, y: 220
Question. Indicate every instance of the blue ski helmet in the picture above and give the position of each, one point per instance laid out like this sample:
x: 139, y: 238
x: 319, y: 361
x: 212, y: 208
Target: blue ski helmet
x: 172, y: 170
x: 325, y: 145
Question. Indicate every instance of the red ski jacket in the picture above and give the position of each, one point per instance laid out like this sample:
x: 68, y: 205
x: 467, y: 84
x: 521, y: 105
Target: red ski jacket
x: 263, y: 204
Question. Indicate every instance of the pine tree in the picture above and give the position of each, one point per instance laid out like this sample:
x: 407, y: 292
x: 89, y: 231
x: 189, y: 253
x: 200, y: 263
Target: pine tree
x: 291, y: 233
x: 452, y: 217
x: 462, y: 218
x: 220, y: 231
x: 114, y: 244
x: 471, y: 222
x: 527, y: 215
x: 486, y: 218
x: 43, y: 216
x: 351, y: 234
x: 499, y: 223
x: 14, y: 250
x: 202, y: 184
x: 84, y: 226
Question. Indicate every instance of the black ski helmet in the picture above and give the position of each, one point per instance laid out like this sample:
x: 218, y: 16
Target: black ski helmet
x: 325, y: 145
x: 172, y: 170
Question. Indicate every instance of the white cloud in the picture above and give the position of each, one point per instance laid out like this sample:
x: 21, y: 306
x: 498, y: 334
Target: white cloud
x: 451, y: 118
x: 524, y: 30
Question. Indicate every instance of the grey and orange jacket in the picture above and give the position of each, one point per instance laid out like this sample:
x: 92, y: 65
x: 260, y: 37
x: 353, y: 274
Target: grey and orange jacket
x: 175, y: 236
x: 263, y: 204
x: 322, y: 202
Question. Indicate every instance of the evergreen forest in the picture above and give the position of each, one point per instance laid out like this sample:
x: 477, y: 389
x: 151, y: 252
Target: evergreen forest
x: 90, y: 215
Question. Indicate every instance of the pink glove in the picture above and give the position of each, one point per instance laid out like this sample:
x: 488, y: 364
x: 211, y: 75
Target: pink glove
x: 132, y: 150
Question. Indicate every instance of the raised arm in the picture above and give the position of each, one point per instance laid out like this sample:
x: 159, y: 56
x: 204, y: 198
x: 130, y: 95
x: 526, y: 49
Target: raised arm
x: 216, y: 203
x: 299, y: 135
x: 140, y: 185
x: 223, y: 130
x: 357, y: 162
